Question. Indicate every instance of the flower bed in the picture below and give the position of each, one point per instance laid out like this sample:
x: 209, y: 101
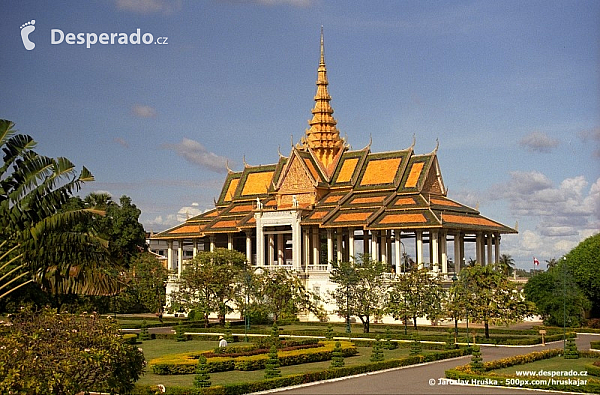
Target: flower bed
x: 186, y: 363
x: 464, y: 374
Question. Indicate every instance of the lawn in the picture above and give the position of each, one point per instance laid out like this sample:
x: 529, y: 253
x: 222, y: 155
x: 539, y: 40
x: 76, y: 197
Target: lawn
x: 550, y: 364
x: 155, y: 348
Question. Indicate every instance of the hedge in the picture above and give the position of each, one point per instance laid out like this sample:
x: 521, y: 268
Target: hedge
x: 465, y: 374
x: 263, y: 385
x: 186, y: 363
x: 595, y: 345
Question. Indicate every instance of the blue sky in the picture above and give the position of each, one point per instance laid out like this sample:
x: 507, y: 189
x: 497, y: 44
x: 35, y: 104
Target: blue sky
x: 511, y: 90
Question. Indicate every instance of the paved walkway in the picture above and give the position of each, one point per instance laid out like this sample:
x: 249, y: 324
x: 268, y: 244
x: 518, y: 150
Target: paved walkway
x: 426, y: 378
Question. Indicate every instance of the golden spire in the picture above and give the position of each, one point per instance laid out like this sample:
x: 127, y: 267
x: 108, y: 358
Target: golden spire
x: 323, y: 138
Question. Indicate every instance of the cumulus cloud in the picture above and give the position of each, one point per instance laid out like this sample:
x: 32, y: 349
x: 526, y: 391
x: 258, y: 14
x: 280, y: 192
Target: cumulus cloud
x: 558, y: 217
x: 593, y: 136
x: 196, y: 153
x: 149, y: 6
x: 142, y: 111
x: 538, y: 142
x: 188, y: 212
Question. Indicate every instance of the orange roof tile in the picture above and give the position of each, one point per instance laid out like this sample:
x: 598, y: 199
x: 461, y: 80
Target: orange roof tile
x: 231, y: 189
x: 257, y: 183
x: 444, y: 202
x: 370, y: 199
x: 186, y: 229
x: 380, y: 171
x: 318, y: 214
x: 352, y: 217
x: 242, y: 208
x: 332, y: 198
x: 312, y: 169
x: 470, y: 220
x: 405, y: 202
x: 402, y: 218
x: 225, y: 224
x: 415, y: 172
x: 347, y: 170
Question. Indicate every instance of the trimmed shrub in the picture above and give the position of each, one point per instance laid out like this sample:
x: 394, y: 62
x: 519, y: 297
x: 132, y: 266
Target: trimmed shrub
x: 571, y: 349
x: 337, y: 358
x: 144, y: 335
x: 377, y: 353
x: 272, y: 365
x: 130, y: 338
x: 202, y: 379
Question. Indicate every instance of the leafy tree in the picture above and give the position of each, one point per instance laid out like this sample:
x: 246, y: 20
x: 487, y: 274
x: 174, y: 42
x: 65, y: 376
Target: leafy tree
x: 491, y: 297
x: 506, y: 264
x: 361, y: 288
x: 417, y: 293
x: 209, y: 282
x: 556, y: 296
x: 48, y: 353
x: 146, y: 291
x: 281, y: 293
x: 37, y: 240
x: 583, y: 262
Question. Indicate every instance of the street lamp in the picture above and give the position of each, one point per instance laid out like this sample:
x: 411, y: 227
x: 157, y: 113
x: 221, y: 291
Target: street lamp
x: 454, y: 279
x: 247, y: 316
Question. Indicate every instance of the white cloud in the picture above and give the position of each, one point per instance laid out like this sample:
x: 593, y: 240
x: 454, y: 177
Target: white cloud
x: 188, y: 212
x: 538, y: 142
x: 556, y: 218
x: 142, y: 111
x: 196, y: 153
x: 149, y: 6
x: 592, y: 135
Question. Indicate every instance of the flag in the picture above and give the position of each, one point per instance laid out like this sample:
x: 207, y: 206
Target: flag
x: 536, y: 262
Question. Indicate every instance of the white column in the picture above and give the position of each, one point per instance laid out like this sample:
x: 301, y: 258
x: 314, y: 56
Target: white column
x: 457, y: 257
x: 338, y: 240
x: 179, y: 257
x: 297, y: 243
x: 383, y: 246
x: 260, y: 241
x: 306, y: 249
x: 397, y: 248
x: 419, y: 257
x: 374, y: 249
x: 249, y: 247
x: 230, y: 241
x: 316, y: 242
x: 479, y: 248
x: 497, y: 247
x: 212, y: 243
x: 195, y: 247
x: 433, y: 239
x: 271, y: 248
x: 444, y: 248
x: 489, y: 249
x: 350, y: 244
x: 170, y: 264
x: 329, y: 246
x: 280, y: 250
x: 366, y: 243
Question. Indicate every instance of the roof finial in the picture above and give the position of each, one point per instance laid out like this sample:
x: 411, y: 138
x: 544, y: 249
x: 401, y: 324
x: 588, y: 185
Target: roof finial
x: 322, y: 62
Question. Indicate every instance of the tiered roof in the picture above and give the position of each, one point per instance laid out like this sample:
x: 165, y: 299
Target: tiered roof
x: 336, y: 187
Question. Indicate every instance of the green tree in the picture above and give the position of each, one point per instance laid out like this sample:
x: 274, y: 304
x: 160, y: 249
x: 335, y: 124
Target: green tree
x: 37, y: 237
x: 272, y: 365
x: 490, y: 297
x: 506, y: 264
x: 202, y: 378
x: 377, y: 351
x: 418, y: 293
x: 49, y: 353
x: 281, y: 293
x: 583, y: 262
x: 361, y: 288
x: 557, y: 296
x: 337, y: 357
x: 209, y: 282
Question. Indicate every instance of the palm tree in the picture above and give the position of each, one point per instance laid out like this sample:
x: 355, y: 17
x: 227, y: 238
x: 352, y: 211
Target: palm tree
x: 551, y: 263
x: 506, y: 264
x: 37, y: 243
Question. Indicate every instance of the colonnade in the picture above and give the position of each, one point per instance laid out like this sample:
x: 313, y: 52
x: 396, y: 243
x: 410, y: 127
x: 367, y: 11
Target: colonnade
x: 312, y: 249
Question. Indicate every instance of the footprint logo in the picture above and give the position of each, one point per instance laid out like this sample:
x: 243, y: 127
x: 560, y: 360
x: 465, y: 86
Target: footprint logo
x: 26, y: 29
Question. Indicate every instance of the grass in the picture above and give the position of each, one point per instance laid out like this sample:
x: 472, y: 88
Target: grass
x: 155, y: 348
x: 550, y: 364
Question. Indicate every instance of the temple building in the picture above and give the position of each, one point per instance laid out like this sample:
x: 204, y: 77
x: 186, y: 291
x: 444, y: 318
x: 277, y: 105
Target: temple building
x: 326, y: 202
